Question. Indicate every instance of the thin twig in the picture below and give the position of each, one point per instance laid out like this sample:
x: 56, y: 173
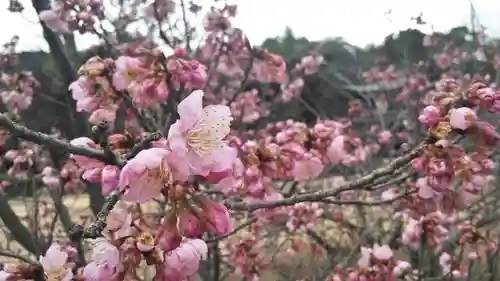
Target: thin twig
x: 368, y: 203
x: 16, y: 256
x: 320, y: 195
x: 235, y: 230
x: 94, y: 229
x: 22, y: 132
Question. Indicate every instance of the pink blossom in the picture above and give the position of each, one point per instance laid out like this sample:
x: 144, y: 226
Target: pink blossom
x: 80, y: 90
x: 198, y: 135
x: 127, y: 70
x: 272, y: 69
x: 364, y: 260
x: 182, y: 262
x: 5, y: 276
x: 169, y: 236
x: 307, y: 168
x: 401, y: 267
x: 389, y: 194
x: 149, y: 91
x: 384, y: 137
x: 53, y: 21
x: 16, y: 100
x: 107, y: 114
x: 54, y: 264
x: 145, y: 175
x: 445, y: 263
x: 336, y: 150
x: 85, y: 162
x: 218, y: 220
x: 110, y: 176
x: 118, y: 222
x: 425, y: 191
x: 429, y: 116
x: 50, y: 178
x: 233, y: 179
x: 104, y: 263
x: 383, y: 252
x: 427, y: 41
x: 462, y: 118
x: 310, y: 64
x: 189, y: 224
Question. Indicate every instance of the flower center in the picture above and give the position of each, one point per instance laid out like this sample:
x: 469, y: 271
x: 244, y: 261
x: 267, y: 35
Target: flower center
x: 54, y: 273
x: 441, y: 131
x: 469, y: 118
x: 130, y: 73
x: 158, y: 176
x: 146, y: 239
x: 202, y: 142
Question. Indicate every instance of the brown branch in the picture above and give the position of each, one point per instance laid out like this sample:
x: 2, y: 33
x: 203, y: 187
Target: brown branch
x: 16, y: 227
x: 248, y: 69
x: 94, y: 229
x: 161, y: 32
x: 235, y: 230
x: 22, y: 132
x: 187, y: 32
x: 366, y: 202
x: 143, y: 121
x: 144, y: 144
x: 64, y: 66
x: 16, y: 256
x: 65, y: 218
x: 330, y: 250
x: 320, y: 195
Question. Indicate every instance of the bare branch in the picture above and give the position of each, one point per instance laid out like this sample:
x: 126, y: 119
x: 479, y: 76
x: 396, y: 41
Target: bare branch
x: 320, y: 195
x: 94, y: 230
x: 44, y: 139
x: 235, y: 230
x: 16, y: 227
x: 15, y: 256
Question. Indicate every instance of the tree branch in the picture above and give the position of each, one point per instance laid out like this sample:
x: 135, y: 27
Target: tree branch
x: 64, y: 65
x: 235, y: 230
x: 94, y: 230
x: 16, y: 227
x: 320, y: 195
x: 44, y: 139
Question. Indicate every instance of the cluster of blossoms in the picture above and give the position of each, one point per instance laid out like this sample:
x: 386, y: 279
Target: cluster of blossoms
x: 100, y: 88
x: 446, y: 162
x: 18, y: 90
x: 68, y: 16
x: 192, y: 102
x: 376, y: 263
x: 118, y: 255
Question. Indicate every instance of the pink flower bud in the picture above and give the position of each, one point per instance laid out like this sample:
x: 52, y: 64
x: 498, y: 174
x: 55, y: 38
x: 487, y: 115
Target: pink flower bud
x: 84, y: 16
x: 92, y: 175
x: 169, y: 237
x: 180, y: 52
x: 218, y: 217
x: 429, y: 116
x: 110, y: 176
x: 145, y: 242
x: 189, y: 224
x: 462, y: 118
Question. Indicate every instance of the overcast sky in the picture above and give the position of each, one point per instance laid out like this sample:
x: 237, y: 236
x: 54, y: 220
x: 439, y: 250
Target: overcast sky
x: 360, y: 22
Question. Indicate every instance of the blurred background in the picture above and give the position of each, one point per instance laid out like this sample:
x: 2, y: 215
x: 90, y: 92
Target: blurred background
x: 358, y: 22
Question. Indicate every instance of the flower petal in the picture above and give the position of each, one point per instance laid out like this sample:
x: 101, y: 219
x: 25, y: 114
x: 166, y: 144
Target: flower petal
x: 190, y: 109
x: 215, y: 122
